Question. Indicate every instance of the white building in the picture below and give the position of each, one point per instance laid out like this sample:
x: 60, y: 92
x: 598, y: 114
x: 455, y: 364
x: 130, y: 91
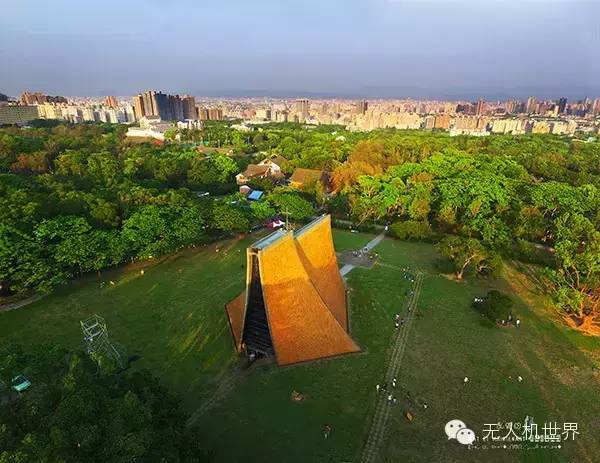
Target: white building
x: 150, y: 127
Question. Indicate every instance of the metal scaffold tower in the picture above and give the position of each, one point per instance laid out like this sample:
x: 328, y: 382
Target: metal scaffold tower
x: 95, y: 334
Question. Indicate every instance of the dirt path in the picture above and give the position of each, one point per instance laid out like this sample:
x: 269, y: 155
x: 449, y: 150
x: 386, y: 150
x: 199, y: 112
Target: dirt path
x: 21, y: 303
x: 382, y: 407
x: 226, y: 385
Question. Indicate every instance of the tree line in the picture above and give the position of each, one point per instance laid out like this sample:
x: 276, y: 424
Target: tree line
x: 534, y: 198
x: 81, y: 198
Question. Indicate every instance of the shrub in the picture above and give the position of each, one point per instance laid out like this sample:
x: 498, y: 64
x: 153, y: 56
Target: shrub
x: 495, y: 306
x: 411, y: 230
x: 532, y: 253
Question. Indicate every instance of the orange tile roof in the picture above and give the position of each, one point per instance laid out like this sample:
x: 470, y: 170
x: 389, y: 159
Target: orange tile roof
x: 302, y: 326
x: 253, y: 170
x: 315, y: 248
x: 302, y: 176
x: 304, y: 295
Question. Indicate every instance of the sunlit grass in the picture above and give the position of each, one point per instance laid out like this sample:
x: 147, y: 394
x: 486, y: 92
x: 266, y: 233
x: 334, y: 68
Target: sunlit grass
x: 173, y: 316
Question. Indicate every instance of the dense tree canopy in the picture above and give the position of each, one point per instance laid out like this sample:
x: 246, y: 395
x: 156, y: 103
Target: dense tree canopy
x: 73, y: 413
x: 80, y: 198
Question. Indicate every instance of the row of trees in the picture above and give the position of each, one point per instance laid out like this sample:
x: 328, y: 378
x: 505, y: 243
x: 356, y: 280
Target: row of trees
x: 81, y: 198
x: 534, y: 197
x: 491, y: 203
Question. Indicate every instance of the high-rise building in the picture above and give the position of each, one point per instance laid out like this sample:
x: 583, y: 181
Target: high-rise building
x: 510, y: 107
x: 175, y: 111
x: 263, y: 114
x: 29, y: 98
x: 281, y: 116
x: 138, y: 106
x: 562, y: 105
x: 596, y: 107
x: 189, y: 107
x: 202, y: 114
x: 302, y: 107
x: 514, y: 107
x: 152, y: 103
x: 148, y: 104
x: 162, y: 108
x: 111, y: 102
x: 442, y: 121
x: 362, y: 106
x: 167, y: 107
x: 531, y: 105
x: 215, y: 114
x: 480, y: 107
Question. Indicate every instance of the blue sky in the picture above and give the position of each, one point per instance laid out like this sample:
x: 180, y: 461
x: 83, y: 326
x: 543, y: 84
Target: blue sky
x: 419, y: 48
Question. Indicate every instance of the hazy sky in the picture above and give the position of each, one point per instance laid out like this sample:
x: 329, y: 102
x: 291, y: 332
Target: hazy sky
x: 419, y: 48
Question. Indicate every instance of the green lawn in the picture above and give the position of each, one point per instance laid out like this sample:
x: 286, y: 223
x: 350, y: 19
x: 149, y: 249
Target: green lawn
x: 173, y: 316
x: 451, y: 341
x: 345, y: 240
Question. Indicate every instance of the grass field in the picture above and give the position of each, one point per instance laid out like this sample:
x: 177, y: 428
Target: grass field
x: 173, y: 316
x: 451, y: 341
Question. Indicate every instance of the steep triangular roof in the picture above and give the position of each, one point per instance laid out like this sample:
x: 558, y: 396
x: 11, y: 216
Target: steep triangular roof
x: 302, y: 326
x: 315, y: 248
x: 301, y: 293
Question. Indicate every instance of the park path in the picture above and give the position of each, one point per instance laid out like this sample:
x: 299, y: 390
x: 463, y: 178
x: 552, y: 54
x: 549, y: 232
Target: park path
x: 21, y: 303
x: 225, y: 387
x: 370, y: 245
x: 382, y: 407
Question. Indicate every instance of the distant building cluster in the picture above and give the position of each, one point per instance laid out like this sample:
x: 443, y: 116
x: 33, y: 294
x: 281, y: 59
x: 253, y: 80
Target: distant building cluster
x: 167, y: 107
x: 150, y: 104
x: 28, y: 98
x: 478, y: 118
x: 39, y: 106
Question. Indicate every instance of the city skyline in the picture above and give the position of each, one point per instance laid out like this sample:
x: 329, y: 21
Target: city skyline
x: 454, y: 50
x: 158, y: 113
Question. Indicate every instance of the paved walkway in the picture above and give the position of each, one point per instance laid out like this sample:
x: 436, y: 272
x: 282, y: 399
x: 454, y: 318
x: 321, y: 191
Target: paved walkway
x: 382, y: 407
x: 370, y: 245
